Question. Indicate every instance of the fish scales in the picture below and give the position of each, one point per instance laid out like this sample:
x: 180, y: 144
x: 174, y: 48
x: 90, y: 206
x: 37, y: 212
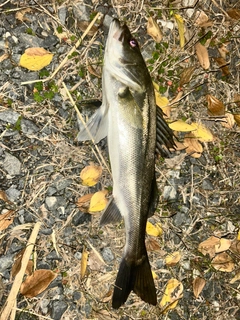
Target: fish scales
x: 128, y: 117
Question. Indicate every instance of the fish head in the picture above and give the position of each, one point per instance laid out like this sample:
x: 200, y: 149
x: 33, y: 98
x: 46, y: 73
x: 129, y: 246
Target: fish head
x: 123, y: 59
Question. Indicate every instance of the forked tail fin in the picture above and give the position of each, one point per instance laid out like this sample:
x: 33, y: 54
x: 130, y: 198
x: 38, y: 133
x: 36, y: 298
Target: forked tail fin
x: 137, y: 278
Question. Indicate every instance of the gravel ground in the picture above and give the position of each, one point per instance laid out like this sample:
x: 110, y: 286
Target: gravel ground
x: 41, y: 160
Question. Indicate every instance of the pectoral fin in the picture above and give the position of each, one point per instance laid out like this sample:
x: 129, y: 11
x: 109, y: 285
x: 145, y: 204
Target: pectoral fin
x: 111, y: 214
x: 97, y: 126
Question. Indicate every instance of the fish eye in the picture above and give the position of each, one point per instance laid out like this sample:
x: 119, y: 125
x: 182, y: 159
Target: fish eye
x: 133, y: 43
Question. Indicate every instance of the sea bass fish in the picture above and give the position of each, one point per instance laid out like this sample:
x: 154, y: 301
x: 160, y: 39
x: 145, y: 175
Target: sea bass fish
x: 129, y: 118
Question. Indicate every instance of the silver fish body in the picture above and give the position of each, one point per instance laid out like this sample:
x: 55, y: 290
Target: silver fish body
x: 128, y: 118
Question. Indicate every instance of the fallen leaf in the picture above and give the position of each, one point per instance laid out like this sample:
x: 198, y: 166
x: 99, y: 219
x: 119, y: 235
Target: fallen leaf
x: 154, y: 30
x: 90, y: 175
x: 152, y: 244
x: 98, y: 201
x: 193, y: 146
x: 234, y: 13
x: 223, y: 245
x: 235, y: 246
x: 154, y: 230
x: 20, y: 15
x: 37, y: 283
x: 3, y: 196
x: 180, y: 24
x: 235, y: 278
x: 202, y: 19
x: 172, y: 294
x: 163, y: 103
x: 95, y: 261
x: 223, y: 262
x: 93, y: 70
x: 198, y: 285
x: 202, y: 133
x: 186, y: 75
x: 6, y: 219
x: 4, y: 57
x: 84, y: 202
x: 238, y: 236
x: 222, y: 65
x: 230, y: 121
x: 180, y: 125
x: 83, y: 25
x: 236, y: 98
x: 35, y: 59
x: 84, y: 261
x: 223, y: 51
x: 176, y: 161
x: 155, y: 276
x: 215, y: 106
x: 202, y: 54
x: 237, y: 119
x: 173, y: 258
x: 209, y: 246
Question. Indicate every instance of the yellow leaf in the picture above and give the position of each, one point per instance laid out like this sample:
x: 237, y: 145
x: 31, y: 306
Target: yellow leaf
x: 154, y: 230
x: 182, y: 126
x: 223, y: 262
x: 153, y: 30
x: 238, y: 236
x: 84, y: 261
x: 90, y: 175
x: 161, y: 101
x: 35, y: 59
x: 198, y: 285
x: 172, y: 294
x: 201, y: 132
x: 180, y: 24
x: 155, y: 276
x: 237, y: 119
x: 156, y: 86
x: 173, y: 258
x: 98, y: 201
x: 202, y: 55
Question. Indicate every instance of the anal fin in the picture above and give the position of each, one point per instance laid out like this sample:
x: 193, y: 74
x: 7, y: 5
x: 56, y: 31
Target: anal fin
x: 111, y: 214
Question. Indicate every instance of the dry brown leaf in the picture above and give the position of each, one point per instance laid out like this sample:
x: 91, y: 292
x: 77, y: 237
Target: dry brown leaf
x: 176, y: 161
x: 230, y: 121
x: 3, y: 196
x: 202, y: 19
x: 186, y: 75
x: 235, y: 246
x: 154, y: 30
x: 193, y: 146
x: 236, y: 99
x: 152, y: 244
x: 84, y: 202
x: 6, y: 219
x: 93, y: 70
x: 237, y: 119
x: 84, y: 261
x: 173, y: 258
x: 83, y: 25
x: 234, y: 13
x: 215, y: 106
x: 198, y: 285
x: 90, y: 175
x: 223, y: 262
x: 209, y: 246
x: 20, y: 15
x: 95, y: 261
x: 37, y: 283
x: 223, y: 51
x: 222, y: 65
x: 223, y: 245
x: 202, y: 54
x: 235, y: 278
x: 172, y: 294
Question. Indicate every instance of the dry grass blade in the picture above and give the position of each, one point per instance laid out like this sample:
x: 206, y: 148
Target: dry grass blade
x: 7, y: 309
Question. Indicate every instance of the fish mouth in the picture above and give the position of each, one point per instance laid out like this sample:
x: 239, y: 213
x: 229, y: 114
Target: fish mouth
x: 117, y: 31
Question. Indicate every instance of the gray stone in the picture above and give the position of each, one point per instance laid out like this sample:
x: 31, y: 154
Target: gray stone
x: 57, y: 309
x: 62, y: 14
x: 107, y: 254
x: 13, y: 193
x: 81, y: 12
x: 9, y: 116
x: 169, y: 193
x: 28, y: 127
x: 11, y: 164
x: 6, y: 262
x: 29, y: 41
x: 207, y: 185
